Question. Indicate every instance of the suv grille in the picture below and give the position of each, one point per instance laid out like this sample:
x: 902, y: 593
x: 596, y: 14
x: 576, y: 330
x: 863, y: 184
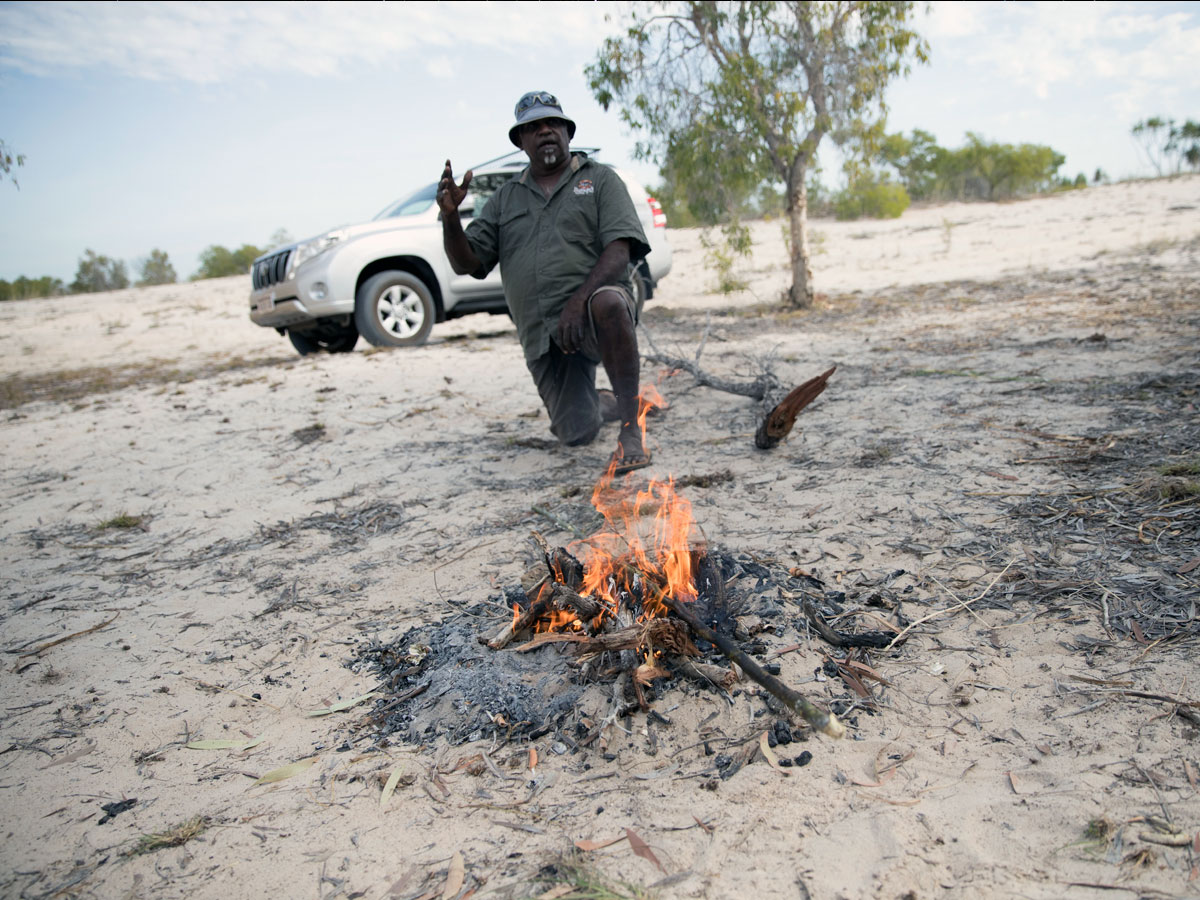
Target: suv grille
x: 271, y: 270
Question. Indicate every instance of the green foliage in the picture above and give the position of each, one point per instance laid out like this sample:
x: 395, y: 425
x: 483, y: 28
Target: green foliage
x: 979, y: 170
x: 8, y: 159
x: 723, y: 254
x: 27, y: 288
x: 871, y: 198
x: 217, y: 261
x: 985, y: 170
x: 729, y: 95
x: 915, y: 159
x: 99, y: 273
x: 157, y: 269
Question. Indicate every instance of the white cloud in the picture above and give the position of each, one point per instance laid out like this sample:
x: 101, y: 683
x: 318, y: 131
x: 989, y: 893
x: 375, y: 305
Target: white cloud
x: 213, y: 42
x: 440, y: 67
x: 1041, y: 46
x: 951, y: 20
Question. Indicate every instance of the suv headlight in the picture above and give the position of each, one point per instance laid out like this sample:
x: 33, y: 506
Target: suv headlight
x: 314, y: 248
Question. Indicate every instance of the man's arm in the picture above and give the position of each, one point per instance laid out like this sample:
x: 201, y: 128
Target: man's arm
x: 609, y: 269
x: 449, y: 197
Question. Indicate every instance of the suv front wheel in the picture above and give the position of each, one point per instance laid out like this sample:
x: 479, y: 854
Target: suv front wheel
x: 394, y: 309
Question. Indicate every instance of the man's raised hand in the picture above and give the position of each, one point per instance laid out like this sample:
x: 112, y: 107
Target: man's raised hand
x: 450, y: 195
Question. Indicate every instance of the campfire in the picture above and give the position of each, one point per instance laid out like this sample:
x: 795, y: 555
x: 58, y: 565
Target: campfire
x: 641, y: 600
x: 633, y: 593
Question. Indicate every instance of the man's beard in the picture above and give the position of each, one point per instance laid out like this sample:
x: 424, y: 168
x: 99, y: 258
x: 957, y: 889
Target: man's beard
x: 550, y: 154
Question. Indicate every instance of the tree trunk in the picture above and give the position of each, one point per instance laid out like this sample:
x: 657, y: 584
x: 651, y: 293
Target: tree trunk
x: 800, y: 294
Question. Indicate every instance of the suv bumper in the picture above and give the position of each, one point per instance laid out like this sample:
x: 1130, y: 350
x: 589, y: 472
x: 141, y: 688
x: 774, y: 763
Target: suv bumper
x: 301, y: 296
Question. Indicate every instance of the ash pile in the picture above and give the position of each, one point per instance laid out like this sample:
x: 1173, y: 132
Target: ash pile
x: 585, y: 647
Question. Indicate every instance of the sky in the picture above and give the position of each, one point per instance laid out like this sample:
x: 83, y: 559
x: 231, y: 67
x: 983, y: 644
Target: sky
x: 176, y: 126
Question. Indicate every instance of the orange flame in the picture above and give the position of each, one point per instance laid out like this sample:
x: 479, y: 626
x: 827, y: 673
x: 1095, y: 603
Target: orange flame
x: 630, y: 556
x: 624, y: 558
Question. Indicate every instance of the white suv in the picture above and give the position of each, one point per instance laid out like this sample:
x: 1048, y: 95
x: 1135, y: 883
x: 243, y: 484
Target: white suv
x: 389, y: 279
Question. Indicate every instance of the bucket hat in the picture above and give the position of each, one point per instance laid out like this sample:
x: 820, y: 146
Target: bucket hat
x: 535, y: 106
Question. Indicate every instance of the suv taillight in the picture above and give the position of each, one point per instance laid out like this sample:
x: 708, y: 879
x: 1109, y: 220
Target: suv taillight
x: 656, y: 211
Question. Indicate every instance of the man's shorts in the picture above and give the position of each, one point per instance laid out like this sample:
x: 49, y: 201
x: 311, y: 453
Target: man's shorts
x: 567, y: 381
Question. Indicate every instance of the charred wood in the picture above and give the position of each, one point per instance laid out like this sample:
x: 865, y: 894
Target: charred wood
x: 585, y: 608
x: 875, y: 640
x: 819, y: 719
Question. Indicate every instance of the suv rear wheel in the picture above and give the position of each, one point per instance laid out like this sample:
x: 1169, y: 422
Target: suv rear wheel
x: 641, y: 286
x: 394, y: 309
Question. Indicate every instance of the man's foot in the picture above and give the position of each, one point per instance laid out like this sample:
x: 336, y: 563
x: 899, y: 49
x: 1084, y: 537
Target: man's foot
x: 622, y: 463
x: 630, y: 454
x: 608, y: 406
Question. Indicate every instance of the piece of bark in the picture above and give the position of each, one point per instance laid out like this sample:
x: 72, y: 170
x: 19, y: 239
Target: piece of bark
x: 705, y: 674
x: 777, y: 424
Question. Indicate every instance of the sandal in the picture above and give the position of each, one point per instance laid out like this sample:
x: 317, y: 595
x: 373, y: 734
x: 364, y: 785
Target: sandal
x: 620, y: 464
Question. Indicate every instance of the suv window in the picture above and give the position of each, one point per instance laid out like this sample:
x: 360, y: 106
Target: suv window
x: 412, y: 205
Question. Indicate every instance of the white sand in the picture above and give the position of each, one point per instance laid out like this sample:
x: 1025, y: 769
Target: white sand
x: 976, y: 779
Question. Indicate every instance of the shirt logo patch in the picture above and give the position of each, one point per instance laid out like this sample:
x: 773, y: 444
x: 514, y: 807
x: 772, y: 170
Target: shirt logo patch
x: 584, y: 186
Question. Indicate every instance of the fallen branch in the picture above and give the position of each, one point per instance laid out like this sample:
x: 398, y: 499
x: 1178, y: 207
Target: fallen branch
x: 825, y: 722
x: 959, y: 604
x: 41, y: 648
x: 873, y: 639
x: 758, y: 389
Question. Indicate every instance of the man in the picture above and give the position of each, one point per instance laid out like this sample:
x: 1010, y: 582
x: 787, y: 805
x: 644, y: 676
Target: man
x: 565, y: 234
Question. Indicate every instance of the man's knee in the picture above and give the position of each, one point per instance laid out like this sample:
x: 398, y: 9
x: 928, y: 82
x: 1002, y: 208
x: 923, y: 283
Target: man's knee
x: 579, y: 439
x: 610, y: 310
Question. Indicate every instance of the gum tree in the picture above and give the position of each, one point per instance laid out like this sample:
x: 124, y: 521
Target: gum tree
x: 752, y: 88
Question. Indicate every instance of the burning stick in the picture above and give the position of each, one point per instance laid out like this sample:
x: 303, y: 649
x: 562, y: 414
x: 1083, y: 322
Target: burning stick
x: 825, y: 722
x: 585, y: 608
x: 536, y: 610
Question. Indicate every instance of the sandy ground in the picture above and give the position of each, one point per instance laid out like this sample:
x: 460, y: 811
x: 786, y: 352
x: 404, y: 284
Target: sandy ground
x: 1010, y: 377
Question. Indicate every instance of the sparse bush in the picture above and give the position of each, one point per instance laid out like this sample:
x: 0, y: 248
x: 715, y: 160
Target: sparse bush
x: 27, y: 288
x: 871, y: 198
x: 979, y: 170
x: 217, y: 261
x: 157, y: 269
x: 723, y: 253
x: 99, y: 273
x: 1168, y: 148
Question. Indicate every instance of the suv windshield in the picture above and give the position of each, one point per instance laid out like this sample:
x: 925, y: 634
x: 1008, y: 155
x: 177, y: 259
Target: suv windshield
x: 412, y: 205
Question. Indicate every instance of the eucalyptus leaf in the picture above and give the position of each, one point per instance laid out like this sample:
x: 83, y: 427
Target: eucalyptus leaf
x: 390, y: 787
x: 223, y: 744
x: 340, y: 706
x: 285, y: 772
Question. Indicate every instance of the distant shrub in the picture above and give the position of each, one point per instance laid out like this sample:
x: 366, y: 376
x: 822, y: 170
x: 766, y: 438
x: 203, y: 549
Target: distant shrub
x: 26, y: 288
x: 99, y: 273
x: 217, y: 261
x: 157, y: 269
x: 872, y: 199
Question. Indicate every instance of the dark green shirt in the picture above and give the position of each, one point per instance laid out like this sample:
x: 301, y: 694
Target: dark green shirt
x: 547, y: 246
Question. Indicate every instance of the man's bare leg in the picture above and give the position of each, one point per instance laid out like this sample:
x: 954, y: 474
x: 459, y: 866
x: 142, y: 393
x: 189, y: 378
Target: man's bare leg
x: 617, y: 337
